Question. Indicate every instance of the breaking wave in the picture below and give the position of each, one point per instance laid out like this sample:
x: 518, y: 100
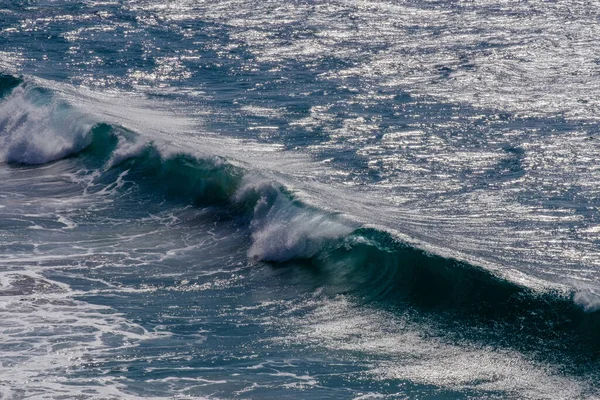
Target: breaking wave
x: 37, y: 127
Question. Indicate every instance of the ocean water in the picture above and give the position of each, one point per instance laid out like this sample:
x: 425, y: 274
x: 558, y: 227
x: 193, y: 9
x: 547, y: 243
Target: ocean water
x: 345, y: 199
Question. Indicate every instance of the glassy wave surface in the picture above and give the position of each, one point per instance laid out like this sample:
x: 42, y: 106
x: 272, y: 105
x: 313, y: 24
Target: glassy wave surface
x: 293, y: 199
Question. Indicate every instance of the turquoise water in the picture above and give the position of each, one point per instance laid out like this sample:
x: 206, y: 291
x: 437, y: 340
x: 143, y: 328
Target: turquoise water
x: 345, y: 199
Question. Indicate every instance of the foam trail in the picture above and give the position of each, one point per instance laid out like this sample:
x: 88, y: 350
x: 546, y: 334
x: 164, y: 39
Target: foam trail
x: 47, y: 335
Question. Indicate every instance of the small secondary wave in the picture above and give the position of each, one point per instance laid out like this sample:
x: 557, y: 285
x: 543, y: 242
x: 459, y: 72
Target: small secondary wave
x: 37, y: 127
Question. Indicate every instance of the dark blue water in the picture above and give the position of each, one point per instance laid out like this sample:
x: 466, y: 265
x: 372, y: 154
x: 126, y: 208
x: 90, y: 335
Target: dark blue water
x: 343, y: 199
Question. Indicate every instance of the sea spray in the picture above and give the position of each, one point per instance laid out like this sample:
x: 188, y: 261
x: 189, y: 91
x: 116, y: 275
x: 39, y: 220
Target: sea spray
x: 284, y: 229
x: 36, y: 127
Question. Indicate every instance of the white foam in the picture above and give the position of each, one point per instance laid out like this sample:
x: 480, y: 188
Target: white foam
x: 283, y: 230
x: 125, y: 150
x: 46, y: 334
x: 37, y: 128
x: 587, y: 298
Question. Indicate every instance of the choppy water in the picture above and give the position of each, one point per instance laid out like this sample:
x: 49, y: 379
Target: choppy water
x: 294, y: 199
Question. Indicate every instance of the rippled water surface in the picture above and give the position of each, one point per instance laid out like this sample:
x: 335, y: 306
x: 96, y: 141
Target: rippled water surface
x: 292, y: 199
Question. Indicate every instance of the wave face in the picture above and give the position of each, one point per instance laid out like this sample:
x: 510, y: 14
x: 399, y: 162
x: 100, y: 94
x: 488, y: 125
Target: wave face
x: 231, y: 200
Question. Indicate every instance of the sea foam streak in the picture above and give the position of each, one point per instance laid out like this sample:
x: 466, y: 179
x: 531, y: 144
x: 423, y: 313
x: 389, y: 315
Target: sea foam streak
x: 47, y: 334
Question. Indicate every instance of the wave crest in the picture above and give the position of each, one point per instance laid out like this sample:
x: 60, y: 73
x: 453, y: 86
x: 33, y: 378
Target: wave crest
x: 283, y: 229
x: 36, y: 127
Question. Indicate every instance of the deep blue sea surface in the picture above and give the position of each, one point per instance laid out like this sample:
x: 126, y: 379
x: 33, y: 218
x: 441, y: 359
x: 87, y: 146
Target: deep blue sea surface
x: 292, y: 199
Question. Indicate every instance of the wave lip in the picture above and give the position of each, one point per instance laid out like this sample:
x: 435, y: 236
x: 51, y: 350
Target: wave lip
x: 588, y: 299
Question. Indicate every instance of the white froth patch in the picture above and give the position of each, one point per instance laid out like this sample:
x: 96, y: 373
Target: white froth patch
x: 125, y: 150
x: 283, y: 230
x: 36, y: 128
x: 46, y: 334
x: 588, y: 299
